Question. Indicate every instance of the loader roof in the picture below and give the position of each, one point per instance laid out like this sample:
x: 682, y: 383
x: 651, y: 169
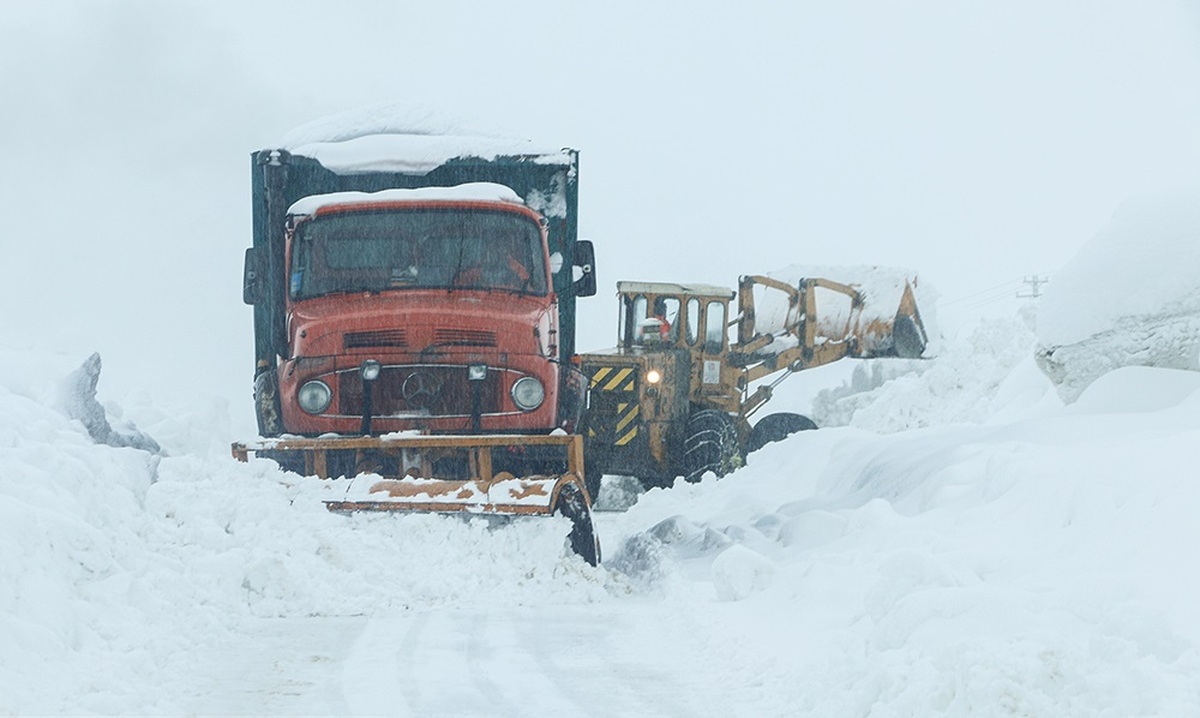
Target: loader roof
x: 706, y: 290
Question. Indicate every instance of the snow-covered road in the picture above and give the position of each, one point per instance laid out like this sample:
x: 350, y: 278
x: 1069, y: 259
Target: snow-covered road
x: 597, y: 660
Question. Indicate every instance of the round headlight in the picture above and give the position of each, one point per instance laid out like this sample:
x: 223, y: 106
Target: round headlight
x: 528, y: 393
x: 314, y: 397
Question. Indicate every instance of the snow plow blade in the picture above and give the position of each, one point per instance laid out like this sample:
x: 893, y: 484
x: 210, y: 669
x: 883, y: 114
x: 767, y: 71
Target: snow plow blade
x: 507, y: 475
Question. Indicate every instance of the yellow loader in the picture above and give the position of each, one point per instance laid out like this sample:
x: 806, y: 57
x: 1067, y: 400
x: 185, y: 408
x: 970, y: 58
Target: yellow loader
x: 676, y: 395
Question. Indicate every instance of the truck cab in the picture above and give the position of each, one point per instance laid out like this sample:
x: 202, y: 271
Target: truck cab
x: 417, y: 309
x: 388, y: 301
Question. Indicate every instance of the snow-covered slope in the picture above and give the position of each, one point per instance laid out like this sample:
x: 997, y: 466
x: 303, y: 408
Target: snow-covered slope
x: 1130, y: 297
x: 996, y: 553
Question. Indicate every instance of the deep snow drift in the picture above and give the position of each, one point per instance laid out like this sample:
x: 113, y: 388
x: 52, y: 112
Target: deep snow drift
x: 993, y: 551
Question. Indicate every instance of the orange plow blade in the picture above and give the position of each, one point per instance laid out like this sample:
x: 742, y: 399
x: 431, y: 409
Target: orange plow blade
x: 501, y: 495
x: 510, y: 475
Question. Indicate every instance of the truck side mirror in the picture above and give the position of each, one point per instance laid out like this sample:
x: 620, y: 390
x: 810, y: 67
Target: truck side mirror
x: 585, y: 259
x: 252, y: 286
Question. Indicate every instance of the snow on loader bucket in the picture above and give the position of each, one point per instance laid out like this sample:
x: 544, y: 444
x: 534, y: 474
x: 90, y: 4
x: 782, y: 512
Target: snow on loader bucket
x: 506, y: 475
x: 872, y: 313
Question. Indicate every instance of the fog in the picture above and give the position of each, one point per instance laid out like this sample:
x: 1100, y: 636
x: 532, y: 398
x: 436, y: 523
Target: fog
x: 975, y: 145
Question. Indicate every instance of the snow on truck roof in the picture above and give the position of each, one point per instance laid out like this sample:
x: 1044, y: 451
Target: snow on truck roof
x: 393, y: 138
x: 419, y: 154
x: 471, y: 191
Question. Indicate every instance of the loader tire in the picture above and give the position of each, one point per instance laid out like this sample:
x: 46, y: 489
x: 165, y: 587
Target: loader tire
x: 711, y: 445
x: 574, y: 506
x: 777, y: 427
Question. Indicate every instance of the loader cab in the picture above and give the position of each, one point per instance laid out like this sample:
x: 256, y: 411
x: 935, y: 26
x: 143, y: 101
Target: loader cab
x: 689, y: 320
x: 657, y: 316
x: 670, y: 366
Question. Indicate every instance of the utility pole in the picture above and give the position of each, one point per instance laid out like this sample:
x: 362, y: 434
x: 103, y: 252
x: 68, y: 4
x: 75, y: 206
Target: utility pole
x: 1035, y: 283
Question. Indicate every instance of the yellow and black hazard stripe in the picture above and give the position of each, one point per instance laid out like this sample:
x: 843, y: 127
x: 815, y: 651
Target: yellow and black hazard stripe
x: 625, y: 432
x: 614, y: 416
x: 609, y: 378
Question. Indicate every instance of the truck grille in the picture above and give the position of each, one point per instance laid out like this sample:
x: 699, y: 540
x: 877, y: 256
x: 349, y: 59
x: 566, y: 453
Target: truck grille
x: 382, y: 338
x: 465, y: 337
x: 427, y: 390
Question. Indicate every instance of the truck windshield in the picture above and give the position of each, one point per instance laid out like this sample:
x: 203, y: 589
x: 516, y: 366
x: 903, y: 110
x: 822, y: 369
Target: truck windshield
x: 371, y: 251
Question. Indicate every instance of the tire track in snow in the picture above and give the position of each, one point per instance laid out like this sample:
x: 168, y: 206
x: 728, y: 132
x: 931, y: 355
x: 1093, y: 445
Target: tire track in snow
x: 442, y: 663
x: 521, y: 661
x: 596, y: 676
x: 480, y: 656
x: 377, y: 676
x: 410, y: 688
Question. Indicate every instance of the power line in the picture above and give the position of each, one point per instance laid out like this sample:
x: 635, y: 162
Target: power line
x: 1004, y: 288
x: 1034, y: 282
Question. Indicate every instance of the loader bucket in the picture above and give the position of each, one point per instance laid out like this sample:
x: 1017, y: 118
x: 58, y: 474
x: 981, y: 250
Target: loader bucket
x: 899, y: 334
x: 484, y: 475
x: 819, y: 320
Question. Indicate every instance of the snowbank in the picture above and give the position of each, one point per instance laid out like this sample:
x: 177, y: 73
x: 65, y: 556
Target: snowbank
x: 986, y: 372
x: 119, y: 563
x: 1032, y: 566
x: 1131, y: 296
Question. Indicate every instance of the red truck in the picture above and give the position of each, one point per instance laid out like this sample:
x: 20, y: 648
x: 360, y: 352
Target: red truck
x: 429, y: 309
x: 414, y: 317
x: 403, y: 295
x: 389, y: 301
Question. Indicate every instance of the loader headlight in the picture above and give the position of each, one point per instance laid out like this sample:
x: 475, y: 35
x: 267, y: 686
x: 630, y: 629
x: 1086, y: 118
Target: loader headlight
x: 528, y: 393
x: 314, y: 396
x: 653, y: 376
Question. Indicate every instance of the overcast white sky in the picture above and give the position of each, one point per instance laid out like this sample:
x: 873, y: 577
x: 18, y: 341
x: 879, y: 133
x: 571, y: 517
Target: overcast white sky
x: 973, y: 142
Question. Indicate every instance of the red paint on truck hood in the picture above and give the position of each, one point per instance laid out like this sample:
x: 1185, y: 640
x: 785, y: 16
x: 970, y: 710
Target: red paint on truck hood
x: 413, y: 319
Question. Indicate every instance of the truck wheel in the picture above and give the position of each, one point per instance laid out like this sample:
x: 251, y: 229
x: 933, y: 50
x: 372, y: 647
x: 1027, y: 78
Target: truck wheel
x: 266, y: 404
x: 711, y: 445
x: 777, y: 427
x: 572, y: 505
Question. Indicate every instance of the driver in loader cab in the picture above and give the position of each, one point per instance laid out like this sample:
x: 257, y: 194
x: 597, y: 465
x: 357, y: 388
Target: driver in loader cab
x: 656, y: 329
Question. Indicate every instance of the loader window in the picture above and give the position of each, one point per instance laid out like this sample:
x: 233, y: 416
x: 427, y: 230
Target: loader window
x: 666, y: 311
x: 372, y: 251
x: 657, y: 321
x: 635, y: 311
x: 714, y: 327
x: 693, y: 321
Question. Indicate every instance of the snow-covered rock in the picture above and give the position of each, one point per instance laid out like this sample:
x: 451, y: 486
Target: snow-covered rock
x: 1130, y: 297
x: 78, y: 401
